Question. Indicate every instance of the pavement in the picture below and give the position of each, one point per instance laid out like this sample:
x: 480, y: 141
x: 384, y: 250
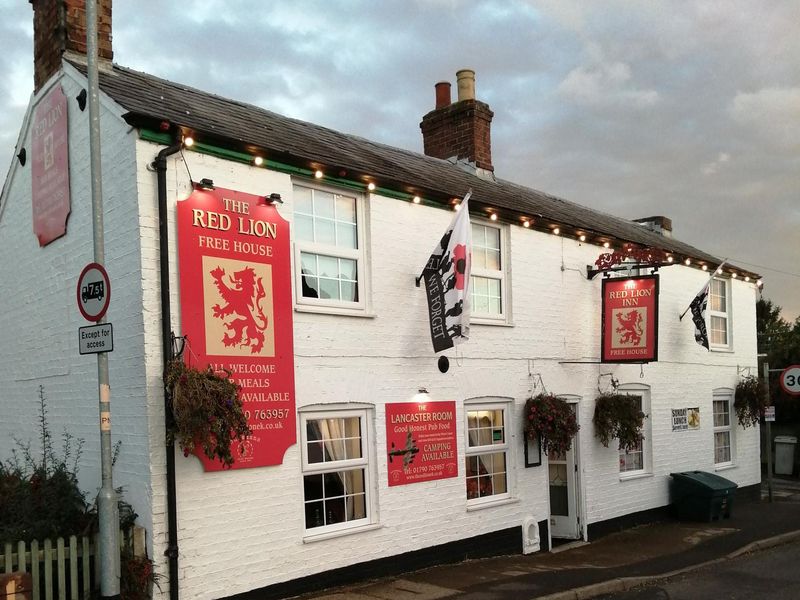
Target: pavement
x: 614, y: 563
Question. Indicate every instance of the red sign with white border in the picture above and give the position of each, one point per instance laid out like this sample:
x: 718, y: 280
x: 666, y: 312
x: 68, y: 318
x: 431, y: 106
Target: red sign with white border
x: 236, y: 311
x: 630, y: 319
x: 421, y: 441
x: 50, y: 198
x: 790, y: 380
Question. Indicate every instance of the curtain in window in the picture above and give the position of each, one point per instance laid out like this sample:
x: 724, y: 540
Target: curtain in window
x: 343, y: 445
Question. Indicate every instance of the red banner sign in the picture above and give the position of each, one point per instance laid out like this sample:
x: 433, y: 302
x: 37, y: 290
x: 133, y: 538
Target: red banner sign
x: 236, y: 311
x: 50, y: 167
x: 421, y: 441
x: 630, y: 319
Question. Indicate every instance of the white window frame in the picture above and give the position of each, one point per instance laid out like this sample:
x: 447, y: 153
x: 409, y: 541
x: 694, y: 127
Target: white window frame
x: 642, y: 391
x: 723, y: 395
x: 504, y: 447
x: 726, y: 315
x: 503, y: 275
x: 367, y: 462
x: 322, y: 305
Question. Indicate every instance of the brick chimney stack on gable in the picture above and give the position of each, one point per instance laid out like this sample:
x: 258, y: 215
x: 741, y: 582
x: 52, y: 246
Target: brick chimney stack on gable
x: 461, y: 130
x: 59, y: 28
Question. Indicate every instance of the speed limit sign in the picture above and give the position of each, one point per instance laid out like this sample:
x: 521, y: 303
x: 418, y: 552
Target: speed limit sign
x: 790, y: 380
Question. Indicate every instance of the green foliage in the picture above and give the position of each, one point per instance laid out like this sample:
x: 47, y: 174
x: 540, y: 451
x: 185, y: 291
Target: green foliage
x: 552, y: 420
x: 618, y: 416
x: 780, y: 341
x: 39, y: 496
x: 749, y: 400
x: 207, y: 411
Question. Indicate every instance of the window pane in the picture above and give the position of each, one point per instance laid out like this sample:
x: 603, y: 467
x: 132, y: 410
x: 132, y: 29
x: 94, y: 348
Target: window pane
x: 312, y: 487
x: 346, y: 235
x: 486, y: 296
x: 325, y: 231
x: 718, y: 301
x: 721, y: 413
x: 722, y: 447
x: 485, y: 427
x: 328, y: 266
x: 329, y: 289
x: 718, y: 331
x: 308, y: 263
x: 348, y: 269
x: 346, y: 209
x: 302, y: 201
x: 324, y: 205
x: 315, y: 514
x: 304, y: 228
x: 493, y: 259
x: 356, y: 507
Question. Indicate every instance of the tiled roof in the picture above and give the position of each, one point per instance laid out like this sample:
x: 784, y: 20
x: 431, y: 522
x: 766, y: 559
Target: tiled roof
x: 150, y: 99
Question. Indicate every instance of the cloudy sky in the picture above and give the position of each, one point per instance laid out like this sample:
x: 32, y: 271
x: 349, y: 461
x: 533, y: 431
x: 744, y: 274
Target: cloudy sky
x: 689, y: 109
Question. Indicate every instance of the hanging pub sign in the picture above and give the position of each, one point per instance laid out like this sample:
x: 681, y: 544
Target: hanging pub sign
x: 50, y: 200
x: 421, y: 441
x: 236, y: 311
x: 630, y: 319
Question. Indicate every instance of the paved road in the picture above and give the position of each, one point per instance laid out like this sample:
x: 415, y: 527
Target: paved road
x: 772, y: 574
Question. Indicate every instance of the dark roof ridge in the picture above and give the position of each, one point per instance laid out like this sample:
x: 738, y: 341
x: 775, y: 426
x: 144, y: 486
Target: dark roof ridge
x: 151, y: 98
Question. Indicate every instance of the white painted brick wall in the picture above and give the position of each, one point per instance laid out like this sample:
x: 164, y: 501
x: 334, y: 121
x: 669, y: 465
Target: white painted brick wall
x: 39, y: 317
x: 243, y: 529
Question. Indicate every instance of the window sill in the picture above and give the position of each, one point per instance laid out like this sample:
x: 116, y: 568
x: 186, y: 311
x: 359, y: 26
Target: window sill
x: 636, y: 475
x: 481, y: 504
x: 724, y: 350
x: 724, y: 467
x: 333, y: 310
x: 486, y: 321
x: 319, y: 537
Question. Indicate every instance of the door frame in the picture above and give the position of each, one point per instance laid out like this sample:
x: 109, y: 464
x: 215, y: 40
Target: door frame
x: 580, y: 521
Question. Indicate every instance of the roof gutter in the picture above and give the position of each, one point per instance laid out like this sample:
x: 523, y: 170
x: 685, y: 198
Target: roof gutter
x: 160, y: 165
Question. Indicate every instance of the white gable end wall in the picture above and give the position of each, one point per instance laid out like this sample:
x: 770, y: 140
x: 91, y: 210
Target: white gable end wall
x: 241, y: 530
x: 40, y: 318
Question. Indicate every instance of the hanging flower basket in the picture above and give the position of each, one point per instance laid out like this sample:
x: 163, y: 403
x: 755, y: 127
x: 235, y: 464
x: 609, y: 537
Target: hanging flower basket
x: 618, y: 416
x: 552, y: 421
x: 207, y: 411
x: 749, y: 401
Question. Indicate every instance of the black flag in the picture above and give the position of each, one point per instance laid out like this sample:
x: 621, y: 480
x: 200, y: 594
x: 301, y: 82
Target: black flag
x: 698, y: 308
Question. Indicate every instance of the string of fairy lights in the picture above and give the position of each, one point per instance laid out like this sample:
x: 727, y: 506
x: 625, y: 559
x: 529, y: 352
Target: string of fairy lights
x: 540, y: 224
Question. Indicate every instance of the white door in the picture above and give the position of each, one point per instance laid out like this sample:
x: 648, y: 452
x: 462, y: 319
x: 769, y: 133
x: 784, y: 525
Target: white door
x: 564, y: 515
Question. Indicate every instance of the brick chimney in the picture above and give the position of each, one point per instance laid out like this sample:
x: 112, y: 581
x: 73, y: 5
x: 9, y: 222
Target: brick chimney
x: 461, y: 130
x: 658, y: 224
x: 59, y: 28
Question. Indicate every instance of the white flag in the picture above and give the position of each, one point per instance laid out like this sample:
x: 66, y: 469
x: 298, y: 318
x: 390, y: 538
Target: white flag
x: 446, y: 278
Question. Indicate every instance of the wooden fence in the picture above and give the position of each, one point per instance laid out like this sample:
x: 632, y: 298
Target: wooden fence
x: 65, y: 569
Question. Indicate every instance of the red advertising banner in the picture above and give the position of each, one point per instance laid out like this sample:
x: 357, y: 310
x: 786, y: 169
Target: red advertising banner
x: 236, y: 311
x: 630, y: 319
x: 421, y: 441
x: 50, y: 199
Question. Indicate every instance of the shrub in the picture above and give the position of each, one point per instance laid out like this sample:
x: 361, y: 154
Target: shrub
x: 618, y: 416
x: 552, y: 420
x: 40, y: 497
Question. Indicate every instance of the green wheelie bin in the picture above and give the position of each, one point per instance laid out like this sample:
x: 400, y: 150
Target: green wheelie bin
x: 701, y: 496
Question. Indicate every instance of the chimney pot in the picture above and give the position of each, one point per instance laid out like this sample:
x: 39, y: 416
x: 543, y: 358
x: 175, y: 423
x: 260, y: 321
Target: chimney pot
x: 466, y: 84
x: 442, y: 94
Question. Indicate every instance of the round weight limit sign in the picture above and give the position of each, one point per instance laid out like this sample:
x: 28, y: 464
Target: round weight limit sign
x: 94, y: 292
x: 790, y: 380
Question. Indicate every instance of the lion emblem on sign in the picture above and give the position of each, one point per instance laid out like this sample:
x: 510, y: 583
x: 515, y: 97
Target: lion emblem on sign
x: 242, y: 295
x: 631, y: 327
